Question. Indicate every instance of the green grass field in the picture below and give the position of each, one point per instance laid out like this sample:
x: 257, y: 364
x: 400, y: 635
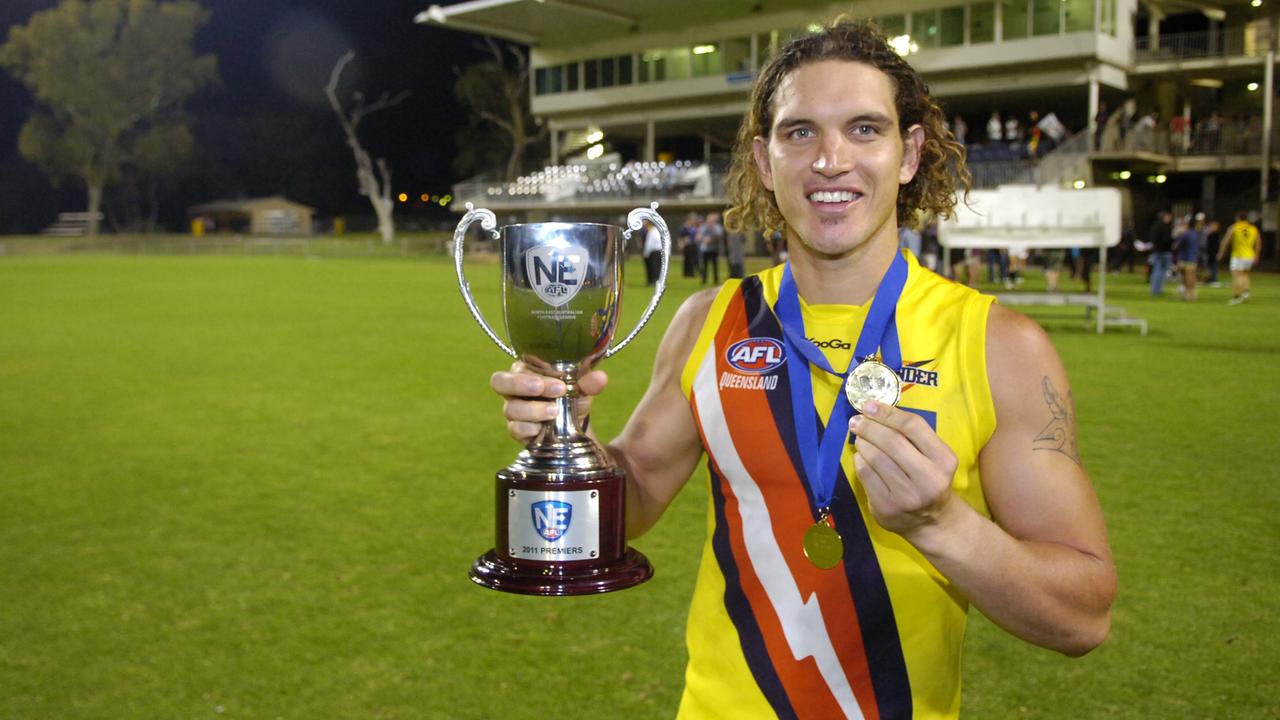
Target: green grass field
x: 252, y: 487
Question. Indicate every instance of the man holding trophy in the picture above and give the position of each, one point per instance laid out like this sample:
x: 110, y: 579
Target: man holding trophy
x: 884, y: 447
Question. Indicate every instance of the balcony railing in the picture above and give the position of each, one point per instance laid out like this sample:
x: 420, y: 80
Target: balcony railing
x: 1234, y: 42
x: 1207, y: 138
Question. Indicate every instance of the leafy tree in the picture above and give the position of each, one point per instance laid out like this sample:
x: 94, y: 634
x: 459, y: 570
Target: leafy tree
x: 110, y: 77
x: 497, y: 92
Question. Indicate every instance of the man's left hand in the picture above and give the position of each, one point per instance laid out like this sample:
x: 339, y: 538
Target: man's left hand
x: 904, y: 466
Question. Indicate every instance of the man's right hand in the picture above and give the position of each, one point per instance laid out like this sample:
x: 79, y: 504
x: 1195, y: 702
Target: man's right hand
x: 529, y: 397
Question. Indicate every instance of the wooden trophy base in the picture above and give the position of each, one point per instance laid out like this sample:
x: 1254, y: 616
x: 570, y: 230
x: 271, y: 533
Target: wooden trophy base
x: 556, y: 579
x: 560, y: 534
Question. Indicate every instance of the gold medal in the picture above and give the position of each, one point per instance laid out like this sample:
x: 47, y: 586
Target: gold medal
x: 823, y: 545
x: 872, y: 380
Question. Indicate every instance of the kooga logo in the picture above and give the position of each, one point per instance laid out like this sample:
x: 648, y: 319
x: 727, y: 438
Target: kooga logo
x: 833, y: 344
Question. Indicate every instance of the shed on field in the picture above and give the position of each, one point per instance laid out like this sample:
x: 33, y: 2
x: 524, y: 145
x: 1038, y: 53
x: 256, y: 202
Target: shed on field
x: 258, y: 216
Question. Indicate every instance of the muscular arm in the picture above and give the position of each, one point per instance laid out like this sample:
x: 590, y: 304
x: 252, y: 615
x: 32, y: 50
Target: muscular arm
x: 1042, y: 568
x: 659, y: 447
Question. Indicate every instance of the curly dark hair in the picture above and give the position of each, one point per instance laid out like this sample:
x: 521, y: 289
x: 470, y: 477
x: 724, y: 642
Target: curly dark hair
x: 942, y: 159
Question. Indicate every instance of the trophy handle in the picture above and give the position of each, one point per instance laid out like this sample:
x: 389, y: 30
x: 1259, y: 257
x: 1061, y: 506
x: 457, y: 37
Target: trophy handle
x: 635, y: 221
x: 488, y: 222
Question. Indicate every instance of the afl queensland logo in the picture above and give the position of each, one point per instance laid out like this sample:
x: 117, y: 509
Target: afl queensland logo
x: 551, y: 519
x: 556, y: 273
x: 756, y: 355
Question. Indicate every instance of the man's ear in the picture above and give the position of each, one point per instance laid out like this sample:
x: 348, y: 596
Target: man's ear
x: 760, y: 149
x: 912, y: 145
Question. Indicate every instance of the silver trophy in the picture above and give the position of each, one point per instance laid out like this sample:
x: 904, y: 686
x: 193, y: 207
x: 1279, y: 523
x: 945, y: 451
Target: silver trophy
x: 561, y: 506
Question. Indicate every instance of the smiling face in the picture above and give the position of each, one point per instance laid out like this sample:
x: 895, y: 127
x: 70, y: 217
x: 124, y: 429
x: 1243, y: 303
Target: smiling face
x: 835, y: 157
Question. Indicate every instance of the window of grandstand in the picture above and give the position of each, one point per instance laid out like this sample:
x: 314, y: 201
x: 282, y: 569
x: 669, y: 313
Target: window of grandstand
x: 606, y: 72
x: 1045, y: 16
x: 766, y: 46
x: 951, y: 26
x: 1078, y: 15
x: 1107, y: 23
x: 924, y: 28
x: 1015, y: 20
x: 737, y: 54
x: 892, y: 25
x: 982, y: 22
x: 555, y: 78
x: 707, y: 60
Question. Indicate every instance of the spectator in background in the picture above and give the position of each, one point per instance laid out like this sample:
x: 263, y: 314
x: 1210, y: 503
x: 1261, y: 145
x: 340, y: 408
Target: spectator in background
x: 1012, y: 130
x: 1017, y: 266
x: 777, y: 243
x: 930, y: 247
x: 652, y: 254
x: 965, y: 264
x: 1053, y: 132
x: 710, y: 238
x: 1161, y: 238
x: 736, y: 254
x: 1180, y: 132
x: 960, y: 129
x: 910, y: 239
x: 997, y: 259
x: 1054, y: 260
x: 994, y: 128
x: 1212, y: 241
x: 1125, y: 250
x: 689, y: 244
x: 1034, y: 134
x: 1144, y: 131
x: 1128, y: 119
x: 1187, y: 250
x: 1245, y: 244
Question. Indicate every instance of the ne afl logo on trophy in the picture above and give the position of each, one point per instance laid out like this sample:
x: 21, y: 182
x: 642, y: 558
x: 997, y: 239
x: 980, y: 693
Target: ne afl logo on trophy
x: 756, y: 355
x: 551, y: 519
x: 556, y: 273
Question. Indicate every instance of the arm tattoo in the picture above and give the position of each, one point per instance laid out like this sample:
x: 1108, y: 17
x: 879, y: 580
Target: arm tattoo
x: 1060, y: 434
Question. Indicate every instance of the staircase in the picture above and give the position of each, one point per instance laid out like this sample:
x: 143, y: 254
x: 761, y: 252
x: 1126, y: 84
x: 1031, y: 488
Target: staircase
x: 1068, y: 162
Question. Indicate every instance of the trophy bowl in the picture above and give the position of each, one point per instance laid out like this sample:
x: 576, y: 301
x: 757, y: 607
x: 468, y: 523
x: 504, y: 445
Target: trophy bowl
x: 561, y: 506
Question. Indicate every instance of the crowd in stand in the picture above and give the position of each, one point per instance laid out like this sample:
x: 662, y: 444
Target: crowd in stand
x: 1010, y: 136
x: 610, y: 180
x: 1187, y: 133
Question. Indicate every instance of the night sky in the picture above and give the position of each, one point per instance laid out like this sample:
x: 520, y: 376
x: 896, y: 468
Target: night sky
x: 274, y: 58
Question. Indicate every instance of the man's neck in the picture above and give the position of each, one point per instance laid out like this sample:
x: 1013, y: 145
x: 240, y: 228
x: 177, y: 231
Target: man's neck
x: 850, y: 279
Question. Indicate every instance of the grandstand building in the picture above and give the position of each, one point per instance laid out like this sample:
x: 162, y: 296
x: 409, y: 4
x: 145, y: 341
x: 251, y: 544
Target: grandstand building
x: 1171, y: 101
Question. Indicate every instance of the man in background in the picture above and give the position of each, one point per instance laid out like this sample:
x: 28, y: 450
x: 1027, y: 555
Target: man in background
x: 1245, y: 244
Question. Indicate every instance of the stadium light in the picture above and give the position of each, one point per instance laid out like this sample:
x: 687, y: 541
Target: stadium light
x: 703, y: 49
x: 595, y: 136
x: 1125, y: 174
x: 1161, y: 178
x: 595, y: 151
x: 1253, y: 87
x: 902, y: 45
x: 1078, y: 184
x: 1256, y: 3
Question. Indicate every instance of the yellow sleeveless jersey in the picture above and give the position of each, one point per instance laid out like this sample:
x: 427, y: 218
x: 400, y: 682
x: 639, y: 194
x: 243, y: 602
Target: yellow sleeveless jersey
x: 769, y: 634
x: 1243, y: 236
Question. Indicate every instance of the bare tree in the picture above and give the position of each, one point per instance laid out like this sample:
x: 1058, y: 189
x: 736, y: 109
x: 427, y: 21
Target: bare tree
x: 499, y: 94
x: 376, y: 187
